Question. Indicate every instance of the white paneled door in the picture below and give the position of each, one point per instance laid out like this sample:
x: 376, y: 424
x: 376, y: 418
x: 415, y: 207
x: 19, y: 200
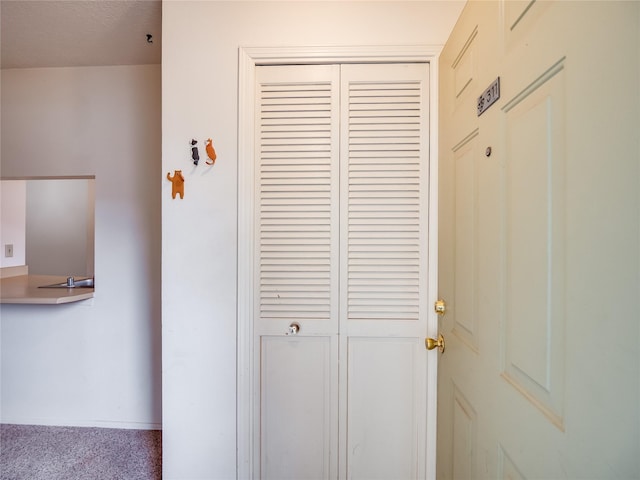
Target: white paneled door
x: 539, y: 221
x: 341, y: 270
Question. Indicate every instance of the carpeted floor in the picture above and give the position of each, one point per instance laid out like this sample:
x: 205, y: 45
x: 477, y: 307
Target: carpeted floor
x: 33, y: 452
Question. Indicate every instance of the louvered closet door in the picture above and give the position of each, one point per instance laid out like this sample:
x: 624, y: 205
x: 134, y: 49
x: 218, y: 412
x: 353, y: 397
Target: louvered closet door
x: 297, y: 271
x: 383, y: 271
x: 341, y: 270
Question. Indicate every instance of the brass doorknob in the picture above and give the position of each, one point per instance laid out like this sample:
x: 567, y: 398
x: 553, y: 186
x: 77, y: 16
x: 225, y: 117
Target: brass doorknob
x: 432, y: 343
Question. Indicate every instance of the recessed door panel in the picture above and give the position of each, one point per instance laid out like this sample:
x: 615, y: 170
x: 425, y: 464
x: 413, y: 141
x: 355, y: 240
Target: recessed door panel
x: 535, y: 239
x: 297, y: 380
x: 466, y: 156
x: 384, y: 412
x: 464, y: 437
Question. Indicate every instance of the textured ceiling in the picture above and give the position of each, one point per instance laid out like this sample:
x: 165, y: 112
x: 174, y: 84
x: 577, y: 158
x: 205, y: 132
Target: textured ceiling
x: 65, y: 33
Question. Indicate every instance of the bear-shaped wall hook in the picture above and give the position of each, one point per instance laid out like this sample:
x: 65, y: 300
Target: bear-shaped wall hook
x: 177, y: 181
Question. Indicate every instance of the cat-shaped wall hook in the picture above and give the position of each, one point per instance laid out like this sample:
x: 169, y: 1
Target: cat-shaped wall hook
x: 211, y: 152
x: 195, y: 156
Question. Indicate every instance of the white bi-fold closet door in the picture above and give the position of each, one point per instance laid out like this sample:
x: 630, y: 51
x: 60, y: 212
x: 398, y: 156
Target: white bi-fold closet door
x: 341, y: 270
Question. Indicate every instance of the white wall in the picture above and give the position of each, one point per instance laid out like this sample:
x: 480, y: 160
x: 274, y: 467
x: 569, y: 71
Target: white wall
x: 60, y: 227
x: 13, y: 213
x: 54, y: 234
x: 95, y: 362
x: 200, y: 98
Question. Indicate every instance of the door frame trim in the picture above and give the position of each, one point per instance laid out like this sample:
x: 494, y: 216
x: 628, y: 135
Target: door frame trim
x: 248, y: 59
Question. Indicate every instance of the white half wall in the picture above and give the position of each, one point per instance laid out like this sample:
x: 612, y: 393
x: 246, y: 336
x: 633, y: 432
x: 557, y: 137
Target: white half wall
x: 97, y: 362
x: 201, y: 41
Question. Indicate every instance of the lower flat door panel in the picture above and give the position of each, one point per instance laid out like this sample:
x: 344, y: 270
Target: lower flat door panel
x: 298, y: 417
x: 386, y: 389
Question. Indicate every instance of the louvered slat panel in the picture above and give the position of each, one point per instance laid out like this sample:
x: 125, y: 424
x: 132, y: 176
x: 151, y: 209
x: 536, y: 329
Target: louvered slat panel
x: 295, y: 201
x: 384, y: 201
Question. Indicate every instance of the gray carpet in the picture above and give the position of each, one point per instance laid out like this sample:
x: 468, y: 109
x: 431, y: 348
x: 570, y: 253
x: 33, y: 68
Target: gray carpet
x: 31, y: 452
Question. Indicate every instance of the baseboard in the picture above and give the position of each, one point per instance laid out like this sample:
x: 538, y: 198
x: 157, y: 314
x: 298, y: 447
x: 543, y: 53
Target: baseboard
x: 59, y: 422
